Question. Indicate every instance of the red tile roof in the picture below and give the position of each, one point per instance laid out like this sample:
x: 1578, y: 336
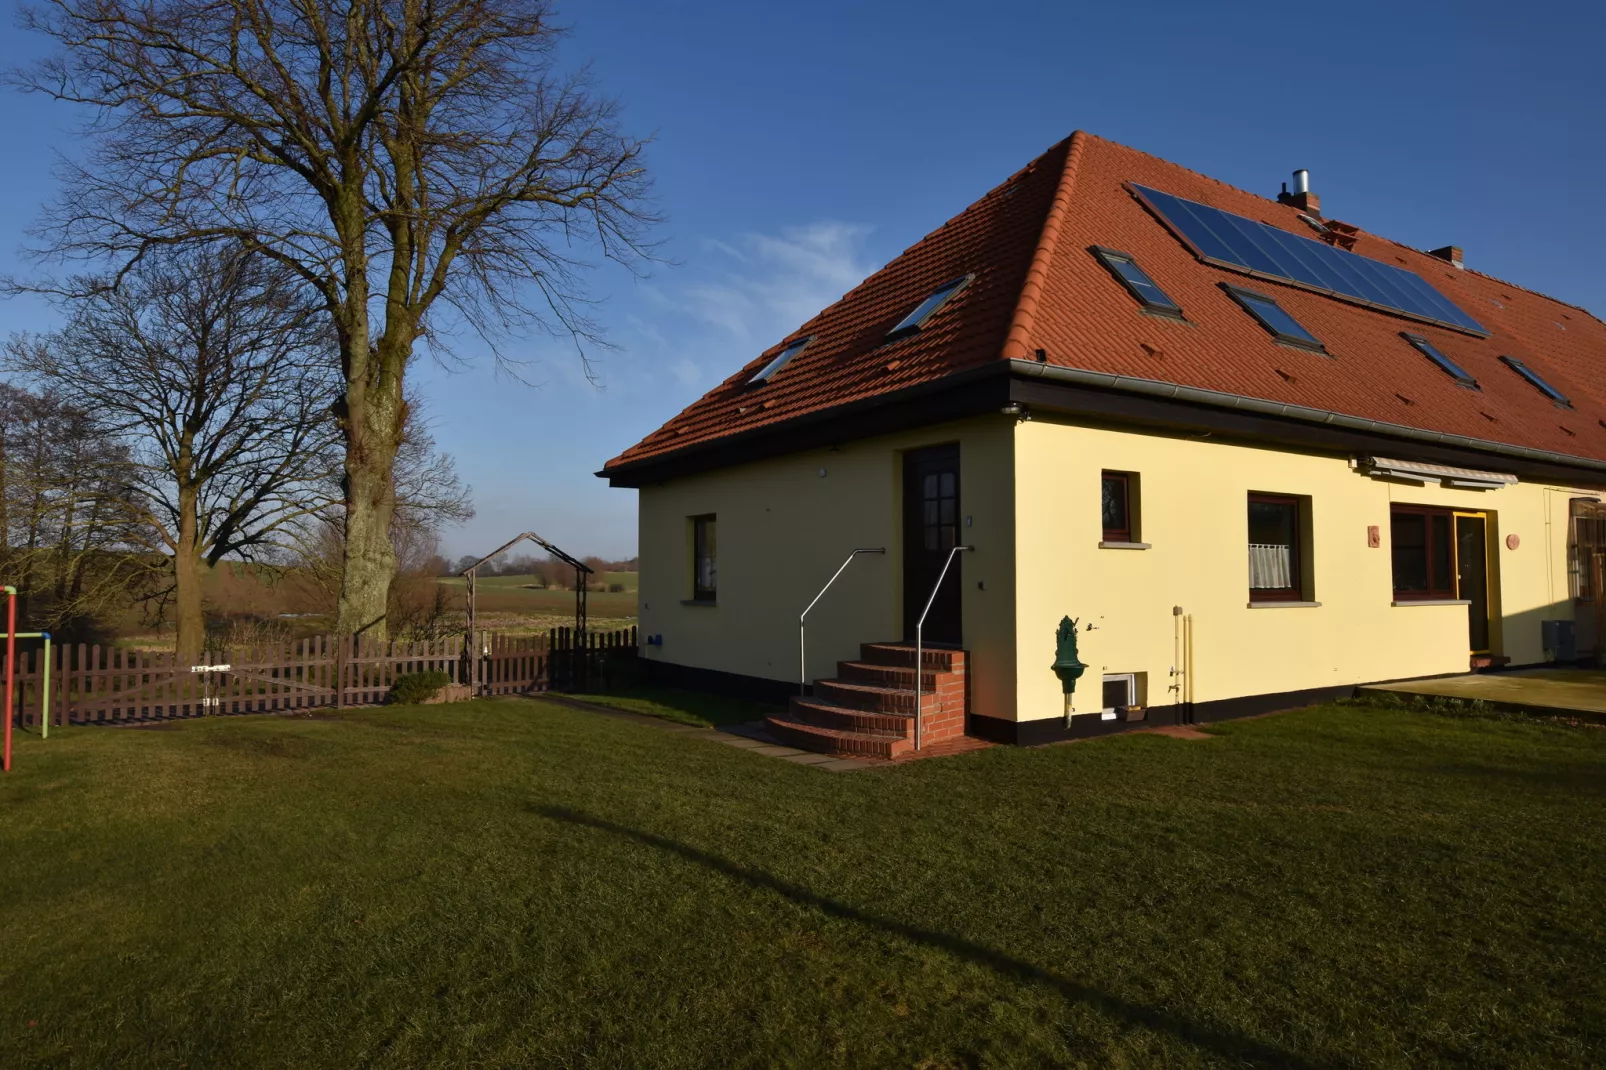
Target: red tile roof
x: 1037, y: 287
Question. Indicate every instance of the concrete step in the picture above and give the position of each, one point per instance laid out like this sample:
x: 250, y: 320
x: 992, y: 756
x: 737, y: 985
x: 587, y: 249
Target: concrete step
x: 824, y: 714
x: 788, y: 729
x: 941, y: 659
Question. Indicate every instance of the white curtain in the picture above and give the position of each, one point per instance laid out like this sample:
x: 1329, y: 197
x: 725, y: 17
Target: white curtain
x: 1271, y: 567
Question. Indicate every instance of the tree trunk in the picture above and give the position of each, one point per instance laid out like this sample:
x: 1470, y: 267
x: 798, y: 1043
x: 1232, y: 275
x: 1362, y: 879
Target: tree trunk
x: 373, y: 435
x: 188, y: 572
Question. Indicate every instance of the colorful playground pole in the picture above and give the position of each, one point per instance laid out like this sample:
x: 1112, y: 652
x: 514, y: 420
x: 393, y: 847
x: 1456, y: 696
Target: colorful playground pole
x: 11, y: 666
x: 44, y: 693
x: 44, y: 688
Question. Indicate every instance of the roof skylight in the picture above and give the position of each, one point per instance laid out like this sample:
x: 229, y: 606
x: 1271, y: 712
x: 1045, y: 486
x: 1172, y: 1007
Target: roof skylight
x: 928, y: 308
x: 1271, y: 316
x: 1533, y: 377
x: 1126, y: 270
x: 780, y: 360
x: 1446, y: 365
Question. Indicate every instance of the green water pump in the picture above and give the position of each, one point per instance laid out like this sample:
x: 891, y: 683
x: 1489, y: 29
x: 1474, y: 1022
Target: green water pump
x: 1067, y: 666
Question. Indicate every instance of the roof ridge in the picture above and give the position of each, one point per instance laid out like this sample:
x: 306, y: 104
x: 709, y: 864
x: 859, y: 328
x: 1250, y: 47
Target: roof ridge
x: 1020, y: 323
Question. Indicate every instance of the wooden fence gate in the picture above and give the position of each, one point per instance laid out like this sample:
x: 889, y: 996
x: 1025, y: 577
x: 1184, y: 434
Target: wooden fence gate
x: 110, y: 685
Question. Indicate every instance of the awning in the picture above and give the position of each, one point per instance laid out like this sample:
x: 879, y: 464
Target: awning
x: 1418, y: 472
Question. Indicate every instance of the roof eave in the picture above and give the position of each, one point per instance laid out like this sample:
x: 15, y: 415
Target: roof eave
x: 1215, y: 399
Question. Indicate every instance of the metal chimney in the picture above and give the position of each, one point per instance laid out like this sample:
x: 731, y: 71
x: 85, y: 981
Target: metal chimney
x: 1302, y: 198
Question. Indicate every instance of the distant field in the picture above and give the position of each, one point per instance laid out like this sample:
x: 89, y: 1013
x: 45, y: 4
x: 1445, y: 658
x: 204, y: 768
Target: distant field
x: 513, y: 604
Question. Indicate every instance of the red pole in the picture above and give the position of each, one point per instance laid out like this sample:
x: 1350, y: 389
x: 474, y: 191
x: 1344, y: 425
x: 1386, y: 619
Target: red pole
x: 11, y: 664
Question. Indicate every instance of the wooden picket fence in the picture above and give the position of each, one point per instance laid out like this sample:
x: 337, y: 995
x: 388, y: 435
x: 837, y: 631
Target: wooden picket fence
x: 110, y: 685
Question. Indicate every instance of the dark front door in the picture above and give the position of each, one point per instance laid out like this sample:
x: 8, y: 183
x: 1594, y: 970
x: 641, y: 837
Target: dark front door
x: 930, y: 530
x: 1472, y: 577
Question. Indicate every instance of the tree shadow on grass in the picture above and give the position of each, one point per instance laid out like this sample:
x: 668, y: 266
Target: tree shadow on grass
x: 1231, y: 1045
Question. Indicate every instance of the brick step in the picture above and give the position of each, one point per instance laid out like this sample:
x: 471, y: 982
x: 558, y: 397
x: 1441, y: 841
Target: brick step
x: 883, y: 745
x: 941, y: 659
x: 876, y: 698
x: 893, y: 677
x: 824, y: 714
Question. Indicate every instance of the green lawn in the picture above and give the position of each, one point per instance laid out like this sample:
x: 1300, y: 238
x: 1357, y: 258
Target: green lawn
x: 683, y: 707
x: 515, y: 883
x: 514, y: 604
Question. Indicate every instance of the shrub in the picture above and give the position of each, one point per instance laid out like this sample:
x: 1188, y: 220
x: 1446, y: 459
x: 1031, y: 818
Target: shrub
x: 615, y: 588
x: 414, y: 687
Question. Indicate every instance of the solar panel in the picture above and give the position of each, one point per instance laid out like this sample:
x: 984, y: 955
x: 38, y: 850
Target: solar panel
x: 1257, y: 248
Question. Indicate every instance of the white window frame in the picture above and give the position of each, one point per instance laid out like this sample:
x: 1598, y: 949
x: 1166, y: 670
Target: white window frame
x: 1109, y: 712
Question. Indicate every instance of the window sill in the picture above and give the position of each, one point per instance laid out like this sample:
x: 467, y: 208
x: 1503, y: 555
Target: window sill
x: 698, y: 602
x: 1432, y: 602
x: 1284, y: 605
x: 1105, y: 544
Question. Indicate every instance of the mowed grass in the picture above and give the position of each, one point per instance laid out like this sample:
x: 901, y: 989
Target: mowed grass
x: 693, y: 708
x: 513, y: 883
x: 514, y: 597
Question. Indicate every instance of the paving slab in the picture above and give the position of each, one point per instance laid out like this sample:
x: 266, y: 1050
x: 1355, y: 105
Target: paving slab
x: 810, y: 758
x: 776, y: 751
x: 842, y: 765
x: 1575, y: 691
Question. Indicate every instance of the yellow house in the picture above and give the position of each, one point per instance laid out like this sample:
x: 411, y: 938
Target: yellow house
x: 1257, y: 456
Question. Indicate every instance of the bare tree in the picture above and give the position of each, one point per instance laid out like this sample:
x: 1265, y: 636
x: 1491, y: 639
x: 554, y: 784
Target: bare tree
x: 399, y: 155
x: 68, y: 522
x: 429, y: 497
x: 211, y: 367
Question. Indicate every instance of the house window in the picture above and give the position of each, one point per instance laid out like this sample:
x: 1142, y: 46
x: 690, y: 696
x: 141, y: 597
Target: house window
x: 1120, y: 506
x: 779, y: 361
x: 1270, y: 315
x: 929, y: 307
x: 1137, y: 282
x: 1537, y: 381
x: 1586, y: 545
x: 705, y: 570
x: 1446, y: 365
x: 939, y: 511
x: 1422, y: 544
x: 1275, y: 548
x: 1120, y: 691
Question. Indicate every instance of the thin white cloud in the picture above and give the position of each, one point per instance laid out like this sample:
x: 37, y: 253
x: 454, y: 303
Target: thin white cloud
x: 686, y: 372
x: 759, y: 287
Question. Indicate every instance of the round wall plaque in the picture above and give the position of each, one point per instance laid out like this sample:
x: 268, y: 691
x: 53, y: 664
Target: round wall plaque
x: 1512, y: 542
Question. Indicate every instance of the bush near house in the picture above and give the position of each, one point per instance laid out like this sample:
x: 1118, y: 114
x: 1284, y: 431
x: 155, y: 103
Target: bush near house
x: 411, y: 688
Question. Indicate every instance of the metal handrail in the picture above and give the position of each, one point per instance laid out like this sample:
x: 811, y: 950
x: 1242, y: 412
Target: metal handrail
x: 920, y: 634
x: 802, y: 659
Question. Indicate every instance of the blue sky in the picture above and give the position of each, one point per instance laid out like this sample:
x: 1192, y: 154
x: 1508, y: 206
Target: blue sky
x: 800, y: 146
